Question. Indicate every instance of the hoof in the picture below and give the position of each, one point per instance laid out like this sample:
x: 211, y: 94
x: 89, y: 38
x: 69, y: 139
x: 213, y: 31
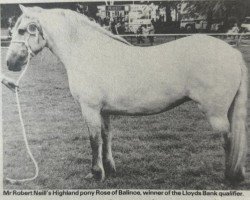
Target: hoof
x: 96, y: 174
x: 236, y: 177
x: 90, y: 176
x: 109, y: 167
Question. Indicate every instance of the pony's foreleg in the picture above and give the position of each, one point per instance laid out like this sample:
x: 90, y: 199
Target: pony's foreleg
x: 108, y: 161
x: 93, y: 120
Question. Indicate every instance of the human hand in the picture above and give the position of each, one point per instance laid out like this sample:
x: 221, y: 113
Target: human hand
x: 9, y: 83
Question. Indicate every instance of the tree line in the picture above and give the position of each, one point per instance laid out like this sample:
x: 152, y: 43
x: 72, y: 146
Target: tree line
x: 223, y: 10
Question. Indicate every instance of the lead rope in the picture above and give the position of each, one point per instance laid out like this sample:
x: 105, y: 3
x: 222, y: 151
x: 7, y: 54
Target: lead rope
x: 22, y: 124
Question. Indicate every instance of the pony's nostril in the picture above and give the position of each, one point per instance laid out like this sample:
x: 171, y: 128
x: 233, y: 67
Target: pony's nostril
x: 13, y: 65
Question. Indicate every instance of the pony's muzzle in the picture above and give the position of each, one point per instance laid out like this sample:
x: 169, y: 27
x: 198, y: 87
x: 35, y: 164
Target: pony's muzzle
x: 13, y: 66
x: 16, y: 61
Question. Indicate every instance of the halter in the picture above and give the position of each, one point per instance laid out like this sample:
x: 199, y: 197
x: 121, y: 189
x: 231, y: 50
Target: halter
x: 30, y: 54
x: 26, y: 43
x: 33, y: 32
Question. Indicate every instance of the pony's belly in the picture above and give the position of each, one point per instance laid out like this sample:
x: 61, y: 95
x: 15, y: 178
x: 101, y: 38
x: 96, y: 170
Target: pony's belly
x: 142, y: 107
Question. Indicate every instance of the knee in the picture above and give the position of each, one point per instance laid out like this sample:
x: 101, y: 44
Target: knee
x: 219, y: 124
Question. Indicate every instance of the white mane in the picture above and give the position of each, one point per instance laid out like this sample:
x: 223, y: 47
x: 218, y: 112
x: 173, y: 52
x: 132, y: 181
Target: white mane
x: 84, y: 19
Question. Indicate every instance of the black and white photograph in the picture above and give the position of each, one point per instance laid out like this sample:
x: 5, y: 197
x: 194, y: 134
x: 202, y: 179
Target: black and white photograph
x: 132, y: 97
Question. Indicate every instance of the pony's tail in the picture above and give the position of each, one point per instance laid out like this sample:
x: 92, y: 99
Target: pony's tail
x: 236, y: 141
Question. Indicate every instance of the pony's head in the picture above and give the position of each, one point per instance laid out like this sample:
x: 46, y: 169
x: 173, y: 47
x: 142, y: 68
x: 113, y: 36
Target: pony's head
x: 27, y: 38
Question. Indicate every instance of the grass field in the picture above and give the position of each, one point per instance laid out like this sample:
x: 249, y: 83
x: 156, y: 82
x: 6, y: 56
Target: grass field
x: 173, y: 150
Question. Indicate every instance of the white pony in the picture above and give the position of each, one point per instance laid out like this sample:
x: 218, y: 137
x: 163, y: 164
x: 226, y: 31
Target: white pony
x: 108, y: 77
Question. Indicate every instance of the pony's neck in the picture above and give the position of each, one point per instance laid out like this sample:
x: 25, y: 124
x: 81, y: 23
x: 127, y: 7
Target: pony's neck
x: 69, y: 36
x: 57, y: 34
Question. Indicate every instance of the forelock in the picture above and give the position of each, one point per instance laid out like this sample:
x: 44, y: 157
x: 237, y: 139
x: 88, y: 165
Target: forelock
x: 18, y: 22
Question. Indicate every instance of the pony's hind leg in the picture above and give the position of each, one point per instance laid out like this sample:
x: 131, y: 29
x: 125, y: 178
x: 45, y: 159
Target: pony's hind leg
x: 218, y: 119
x: 108, y: 161
x: 234, y: 145
x: 93, y: 120
x: 220, y: 124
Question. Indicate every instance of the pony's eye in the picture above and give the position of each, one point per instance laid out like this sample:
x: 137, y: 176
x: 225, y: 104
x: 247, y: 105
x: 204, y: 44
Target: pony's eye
x: 21, y: 31
x: 32, y: 28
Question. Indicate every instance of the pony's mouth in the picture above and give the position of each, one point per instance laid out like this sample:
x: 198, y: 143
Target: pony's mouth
x: 16, y: 67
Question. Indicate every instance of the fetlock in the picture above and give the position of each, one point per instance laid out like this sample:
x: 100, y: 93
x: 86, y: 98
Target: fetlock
x: 98, y: 173
x: 109, y: 166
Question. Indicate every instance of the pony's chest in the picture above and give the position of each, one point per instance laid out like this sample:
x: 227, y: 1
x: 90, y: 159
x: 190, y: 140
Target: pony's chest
x: 84, y: 90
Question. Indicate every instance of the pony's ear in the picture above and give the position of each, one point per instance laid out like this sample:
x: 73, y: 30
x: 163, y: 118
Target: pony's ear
x: 23, y: 9
x: 30, y: 10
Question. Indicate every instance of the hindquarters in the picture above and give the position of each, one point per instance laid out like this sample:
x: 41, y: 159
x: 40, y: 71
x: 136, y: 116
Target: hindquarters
x: 221, y: 94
